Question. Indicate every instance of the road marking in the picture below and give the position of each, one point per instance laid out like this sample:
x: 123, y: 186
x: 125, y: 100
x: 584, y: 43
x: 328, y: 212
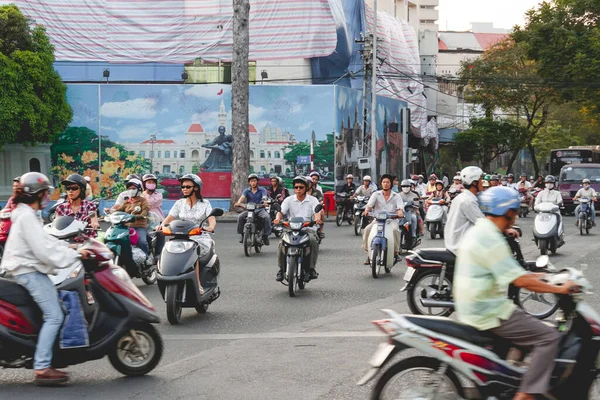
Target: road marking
x: 275, y: 335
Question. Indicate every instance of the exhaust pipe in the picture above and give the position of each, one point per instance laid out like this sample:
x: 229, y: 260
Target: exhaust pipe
x: 437, y: 303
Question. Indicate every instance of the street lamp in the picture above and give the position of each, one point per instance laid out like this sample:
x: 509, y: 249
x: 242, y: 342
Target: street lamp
x: 264, y: 75
x: 106, y: 74
x: 152, y: 140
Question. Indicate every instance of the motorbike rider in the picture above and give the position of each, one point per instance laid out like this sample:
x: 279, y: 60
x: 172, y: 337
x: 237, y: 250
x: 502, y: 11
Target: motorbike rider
x: 523, y: 182
x: 276, y: 192
x: 30, y: 256
x: 10, y: 204
x: 549, y: 194
x: 349, y: 188
x: 77, y: 205
x: 485, y: 268
x: 396, y: 184
x: 494, y: 180
x: 390, y: 202
x: 407, y: 195
x: 312, y: 191
x: 439, y: 192
x: 457, y: 184
x: 192, y: 207
x: 539, y: 183
x: 421, y: 187
x: 316, y: 177
x: 366, y: 189
x: 586, y: 192
x: 254, y: 194
x: 431, y: 185
x: 123, y: 195
x: 300, y: 205
x: 135, y: 199
x: 510, y: 181
x: 89, y: 194
x: 503, y: 181
x: 155, y: 199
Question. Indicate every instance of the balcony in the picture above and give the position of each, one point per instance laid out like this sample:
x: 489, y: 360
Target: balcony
x: 429, y: 14
x: 429, y: 2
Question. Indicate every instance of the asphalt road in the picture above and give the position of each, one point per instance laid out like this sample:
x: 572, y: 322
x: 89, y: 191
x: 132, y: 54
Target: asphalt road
x: 256, y: 342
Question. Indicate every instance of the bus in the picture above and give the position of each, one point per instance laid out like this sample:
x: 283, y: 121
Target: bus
x: 573, y: 155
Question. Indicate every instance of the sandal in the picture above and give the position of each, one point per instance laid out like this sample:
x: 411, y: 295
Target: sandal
x: 367, y: 262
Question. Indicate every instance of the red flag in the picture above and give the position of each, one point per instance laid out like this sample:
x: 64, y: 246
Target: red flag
x: 220, y: 92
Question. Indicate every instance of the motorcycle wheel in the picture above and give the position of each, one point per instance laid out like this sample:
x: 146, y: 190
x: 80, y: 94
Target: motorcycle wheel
x: 150, y: 277
x: 140, y: 355
x: 543, y: 245
x: 375, y: 267
x: 292, y: 281
x: 553, y: 245
x: 432, y: 230
x: 202, y: 308
x: 350, y: 217
x: 173, y: 304
x: 257, y: 247
x: 357, y: 226
x: 339, y: 216
x: 247, y: 243
x: 392, y: 385
x: 418, y: 291
x: 581, y: 223
x: 278, y: 233
x: 550, y: 302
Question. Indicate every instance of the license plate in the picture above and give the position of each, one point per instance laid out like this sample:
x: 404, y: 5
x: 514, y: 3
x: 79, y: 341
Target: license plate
x: 381, y: 355
x: 409, y: 274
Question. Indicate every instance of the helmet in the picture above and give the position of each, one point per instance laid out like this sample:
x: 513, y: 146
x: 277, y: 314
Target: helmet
x: 411, y: 182
x: 367, y: 178
x: 134, y: 182
x: 494, y: 178
x: 88, y: 179
x: 414, y: 177
x: 148, y: 177
x: 586, y: 180
x: 432, y: 176
x: 252, y: 176
x: 315, y: 173
x: 300, y: 179
x: 194, y: 178
x: 77, y: 180
x: 487, y: 177
x: 349, y: 176
x: 386, y: 176
x: 510, y: 176
x: 280, y: 180
x: 470, y: 175
x: 456, y: 178
x: 17, y: 179
x: 550, y: 179
x: 486, y: 183
x: 131, y: 176
x: 406, y: 183
x: 420, y: 177
x: 34, y: 182
x: 523, y: 175
x: 439, y: 182
x: 499, y: 200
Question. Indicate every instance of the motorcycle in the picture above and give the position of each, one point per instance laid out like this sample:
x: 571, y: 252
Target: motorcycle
x: 52, y: 210
x: 296, y: 247
x: 119, y: 324
x: 547, y: 228
x: 435, y: 218
x: 360, y: 221
x: 429, y: 279
x: 253, y: 229
x: 342, y: 212
x: 273, y: 207
x: 130, y: 257
x: 407, y: 242
x: 181, y: 266
x: 524, y: 207
x: 584, y: 217
x: 485, y: 363
x: 381, y: 243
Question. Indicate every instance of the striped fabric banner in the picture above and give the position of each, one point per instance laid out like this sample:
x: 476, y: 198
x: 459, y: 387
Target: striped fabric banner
x: 178, y: 31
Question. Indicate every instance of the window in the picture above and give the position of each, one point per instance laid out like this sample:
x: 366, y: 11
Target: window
x: 262, y: 154
x: 428, y: 7
x: 428, y: 21
x: 34, y: 165
x: 251, y: 154
x: 277, y: 154
x: 181, y: 169
x: 166, y: 169
x: 262, y: 168
x: 143, y: 154
x: 167, y: 154
x: 175, y: 154
x: 182, y: 154
x: 151, y: 154
x: 269, y: 154
x: 158, y: 154
x: 195, y: 154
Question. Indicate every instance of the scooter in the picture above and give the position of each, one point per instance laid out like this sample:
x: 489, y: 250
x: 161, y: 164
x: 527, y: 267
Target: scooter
x: 181, y: 267
x: 381, y: 243
x: 484, y: 362
x: 342, y: 212
x: 130, y: 257
x: 548, y: 231
x: 119, y: 324
x: 360, y: 221
x: 296, y: 247
x: 407, y: 242
x: 435, y: 218
x: 584, y: 217
x: 52, y: 210
x: 524, y: 206
x: 273, y: 207
x: 253, y: 229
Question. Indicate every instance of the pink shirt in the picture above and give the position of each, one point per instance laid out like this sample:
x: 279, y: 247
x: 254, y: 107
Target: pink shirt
x: 155, y: 199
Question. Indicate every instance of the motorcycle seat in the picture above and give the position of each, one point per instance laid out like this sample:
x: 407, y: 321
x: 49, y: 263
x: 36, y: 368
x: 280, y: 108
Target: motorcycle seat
x: 15, y: 294
x: 441, y: 255
x: 454, y: 329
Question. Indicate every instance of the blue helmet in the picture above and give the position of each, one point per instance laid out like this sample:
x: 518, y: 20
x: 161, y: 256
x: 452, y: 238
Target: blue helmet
x: 499, y: 200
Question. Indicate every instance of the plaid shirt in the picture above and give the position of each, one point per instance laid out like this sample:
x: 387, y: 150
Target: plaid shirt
x: 82, y: 215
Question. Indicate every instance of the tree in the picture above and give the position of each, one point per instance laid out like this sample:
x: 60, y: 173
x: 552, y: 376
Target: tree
x: 33, y: 101
x: 505, y: 79
x: 487, y: 139
x: 563, y: 36
x: 554, y: 136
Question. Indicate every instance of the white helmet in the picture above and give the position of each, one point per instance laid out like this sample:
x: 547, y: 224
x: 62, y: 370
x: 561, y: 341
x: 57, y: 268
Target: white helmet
x: 349, y: 176
x: 470, y: 174
x: 367, y: 178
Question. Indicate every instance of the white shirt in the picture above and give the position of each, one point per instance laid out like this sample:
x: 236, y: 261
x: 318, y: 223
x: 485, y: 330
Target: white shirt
x: 121, y: 198
x: 463, y: 214
x: 513, y: 185
x: 361, y: 191
x: 549, y: 196
x: 527, y: 185
x: 30, y: 249
x: 294, y: 208
x: 421, y: 188
x: 588, y: 193
x: 182, y: 211
x: 378, y: 202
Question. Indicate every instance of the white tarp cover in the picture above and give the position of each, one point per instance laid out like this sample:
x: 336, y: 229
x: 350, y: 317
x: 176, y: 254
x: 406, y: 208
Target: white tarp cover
x: 399, y: 73
x: 178, y: 31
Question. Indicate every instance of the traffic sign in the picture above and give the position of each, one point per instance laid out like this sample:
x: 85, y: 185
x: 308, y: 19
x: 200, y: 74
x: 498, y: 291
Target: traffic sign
x: 303, y: 160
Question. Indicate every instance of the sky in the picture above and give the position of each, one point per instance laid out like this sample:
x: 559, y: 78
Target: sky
x: 456, y: 15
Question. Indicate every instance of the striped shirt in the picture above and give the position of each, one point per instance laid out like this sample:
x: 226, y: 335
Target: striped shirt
x: 485, y: 268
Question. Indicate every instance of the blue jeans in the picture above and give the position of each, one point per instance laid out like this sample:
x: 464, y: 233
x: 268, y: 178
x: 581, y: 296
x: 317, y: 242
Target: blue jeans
x: 592, y: 211
x: 143, y: 239
x: 41, y: 288
x: 413, y: 222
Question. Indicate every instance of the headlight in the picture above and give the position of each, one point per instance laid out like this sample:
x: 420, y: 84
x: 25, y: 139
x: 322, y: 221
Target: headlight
x: 179, y: 247
x: 115, y: 219
x: 545, y: 217
x: 565, y: 194
x: 250, y: 206
x: 381, y: 215
x: 296, y: 225
x: 75, y: 272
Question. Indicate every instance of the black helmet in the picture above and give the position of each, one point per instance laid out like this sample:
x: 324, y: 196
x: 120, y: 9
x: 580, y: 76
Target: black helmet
x: 194, y: 178
x: 550, y: 179
x: 77, y: 180
x: 149, y: 177
x: 252, y: 176
x: 494, y: 178
x: 300, y: 179
x: 33, y: 183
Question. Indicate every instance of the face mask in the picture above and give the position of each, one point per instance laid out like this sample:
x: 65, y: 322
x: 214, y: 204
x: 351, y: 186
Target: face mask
x: 44, y: 202
x: 503, y: 183
x: 150, y: 186
x: 586, y: 186
x: 549, y: 185
x: 131, y: 193
x: 406, y: 189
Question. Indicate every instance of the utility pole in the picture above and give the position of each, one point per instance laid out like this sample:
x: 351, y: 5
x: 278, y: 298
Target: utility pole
x: 240, y: 93
x: 152, y: 140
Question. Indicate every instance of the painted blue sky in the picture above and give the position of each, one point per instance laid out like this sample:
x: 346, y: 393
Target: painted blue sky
x: 131, y: 113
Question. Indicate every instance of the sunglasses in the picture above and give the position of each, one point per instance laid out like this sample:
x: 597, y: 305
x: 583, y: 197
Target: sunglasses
x: 72, y: 188
x: 299, y: 187
x: 186, y: 187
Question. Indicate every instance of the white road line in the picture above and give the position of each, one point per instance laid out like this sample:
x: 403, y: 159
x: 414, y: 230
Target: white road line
x: 275, y: 335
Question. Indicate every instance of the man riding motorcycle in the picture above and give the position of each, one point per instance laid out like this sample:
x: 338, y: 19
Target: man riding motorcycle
x: 485, y: 268
x: 300, y: 205
x: 510, y: 181
x: 390, y: 202
x: 586, y: 192
x: 551, y: 195
x: 254, y: 194
x: 457, y: 184
x: 364, y: 190
x: 349, y: 189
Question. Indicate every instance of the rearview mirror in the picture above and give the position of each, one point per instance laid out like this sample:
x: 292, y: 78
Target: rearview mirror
x: 319, y: 208
x: 216, y: 212
x: 542, y: 261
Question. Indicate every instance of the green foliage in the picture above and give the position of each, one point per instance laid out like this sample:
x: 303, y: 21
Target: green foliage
x: 487, y: 139
x: 324, y: 153
x: 555, y: 136
x: 33, y: 101
x: 563, y: 36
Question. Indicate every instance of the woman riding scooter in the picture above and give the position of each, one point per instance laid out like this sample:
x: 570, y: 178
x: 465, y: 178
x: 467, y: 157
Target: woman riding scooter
x: 77, y: 205
x: 439, y: 193
x: 155, y: 199
x: 30, y: 256
x: 132, y: 200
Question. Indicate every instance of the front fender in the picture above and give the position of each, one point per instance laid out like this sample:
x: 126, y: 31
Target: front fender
x: 380, y: 359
